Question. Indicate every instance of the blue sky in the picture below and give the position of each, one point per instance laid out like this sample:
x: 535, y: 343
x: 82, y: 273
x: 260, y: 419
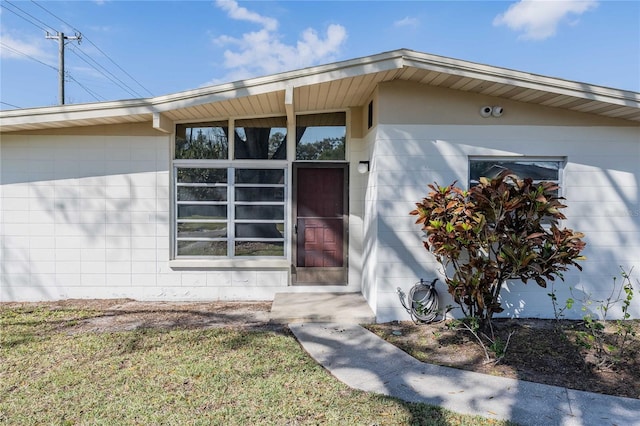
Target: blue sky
x: 161, y: 47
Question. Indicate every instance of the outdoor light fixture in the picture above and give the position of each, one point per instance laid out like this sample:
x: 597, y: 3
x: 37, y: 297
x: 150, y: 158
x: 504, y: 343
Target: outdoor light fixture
x: 363, y: 167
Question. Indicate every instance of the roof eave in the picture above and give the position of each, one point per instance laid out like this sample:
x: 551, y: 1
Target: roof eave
x: 57, y: 115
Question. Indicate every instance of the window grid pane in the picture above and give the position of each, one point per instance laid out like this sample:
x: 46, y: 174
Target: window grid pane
x: 218, y: 217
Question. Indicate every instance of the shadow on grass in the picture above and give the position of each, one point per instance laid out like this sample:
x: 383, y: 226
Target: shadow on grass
x: 244, y: 376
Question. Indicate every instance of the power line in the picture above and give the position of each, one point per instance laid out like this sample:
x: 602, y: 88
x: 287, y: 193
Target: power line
x: 70, y: 77
x: 28, y: 56
x: 119, y: 67
x: 105, y: 72
x: 94, y: 45
x: 41, y: 25
x: 46, y: 26
x: 55, y: 16
x: 86, y: 89
x: 11, y: 105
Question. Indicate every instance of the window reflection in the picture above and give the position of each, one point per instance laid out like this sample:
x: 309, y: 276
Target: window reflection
x: 321, y: 136
x: 230, y: 212
x: 202, y: 141
x: 261, y: 139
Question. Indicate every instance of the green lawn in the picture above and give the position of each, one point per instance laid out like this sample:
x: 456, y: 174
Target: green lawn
x: 51, y: 374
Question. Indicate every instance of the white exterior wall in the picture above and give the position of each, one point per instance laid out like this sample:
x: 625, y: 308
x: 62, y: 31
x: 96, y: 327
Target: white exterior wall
x: 367, y: 234
x: 601, y: 183
x: 89, y: 217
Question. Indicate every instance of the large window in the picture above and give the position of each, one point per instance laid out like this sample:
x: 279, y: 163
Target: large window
x: 230, y: 212
x: 230, y: 182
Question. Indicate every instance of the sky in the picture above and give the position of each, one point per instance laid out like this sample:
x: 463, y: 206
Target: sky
x: 138, y: 49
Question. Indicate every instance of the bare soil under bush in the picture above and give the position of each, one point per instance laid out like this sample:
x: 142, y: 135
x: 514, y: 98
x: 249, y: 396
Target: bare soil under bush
x: 543, y: 351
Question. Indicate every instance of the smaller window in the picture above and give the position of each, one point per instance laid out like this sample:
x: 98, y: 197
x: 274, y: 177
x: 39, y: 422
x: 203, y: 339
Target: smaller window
x: 202, y: 141
x: 261, y: 139
x: 370, y: 116
x: 321, y: 136
x: 538, y: 169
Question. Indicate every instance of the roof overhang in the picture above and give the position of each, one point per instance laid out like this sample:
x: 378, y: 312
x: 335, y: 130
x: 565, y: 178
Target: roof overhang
x: 331, y: 87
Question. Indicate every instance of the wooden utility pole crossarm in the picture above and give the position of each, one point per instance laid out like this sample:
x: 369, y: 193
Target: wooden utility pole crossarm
x: 61, y: 41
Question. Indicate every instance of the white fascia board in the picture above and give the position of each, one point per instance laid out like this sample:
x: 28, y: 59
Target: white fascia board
x: 74, y: 112
x: 277, y: 82
x: 523, y: 79
x: 382, y: 62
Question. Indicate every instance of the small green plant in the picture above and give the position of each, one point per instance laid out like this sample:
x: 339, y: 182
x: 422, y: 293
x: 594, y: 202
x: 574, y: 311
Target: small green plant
x: 624, y: 329
x: 558, y: 311
x: 595, y: 336
x: 490, y: 344
x: 499, y: 348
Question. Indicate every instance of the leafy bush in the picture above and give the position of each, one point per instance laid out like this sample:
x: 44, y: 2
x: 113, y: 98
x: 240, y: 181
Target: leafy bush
x: 501, y: 229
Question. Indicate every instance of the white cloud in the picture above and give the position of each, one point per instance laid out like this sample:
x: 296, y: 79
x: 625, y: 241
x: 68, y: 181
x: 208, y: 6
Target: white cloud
x: 243, y: 14
x: 407, y: 22
x: 539, y: 19
x: 15, y: 48
x: 262, y: 52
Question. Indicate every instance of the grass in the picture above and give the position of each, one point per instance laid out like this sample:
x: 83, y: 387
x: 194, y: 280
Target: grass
x: 51, y: 374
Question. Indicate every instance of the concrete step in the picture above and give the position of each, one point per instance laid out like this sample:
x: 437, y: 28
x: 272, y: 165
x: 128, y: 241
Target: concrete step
x: 345, y: 308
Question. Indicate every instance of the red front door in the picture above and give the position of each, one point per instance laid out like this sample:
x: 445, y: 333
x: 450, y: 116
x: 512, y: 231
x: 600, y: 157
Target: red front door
x: 320, y: 225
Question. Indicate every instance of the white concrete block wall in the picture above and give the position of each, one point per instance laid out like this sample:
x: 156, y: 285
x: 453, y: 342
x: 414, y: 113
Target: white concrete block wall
x: 601, y: 183
x: 89, y: 216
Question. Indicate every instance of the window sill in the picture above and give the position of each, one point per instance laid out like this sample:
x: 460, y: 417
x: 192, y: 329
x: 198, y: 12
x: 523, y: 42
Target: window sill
x: 229, y: 264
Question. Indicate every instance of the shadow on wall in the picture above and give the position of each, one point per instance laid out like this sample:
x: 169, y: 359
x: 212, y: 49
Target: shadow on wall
x: 401, y: 241
x: 68, y: 212
x: 613, y: 237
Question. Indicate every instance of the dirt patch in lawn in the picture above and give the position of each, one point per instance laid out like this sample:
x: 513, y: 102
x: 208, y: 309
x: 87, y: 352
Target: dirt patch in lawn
x: 110, y: 315
x: 542, y: 351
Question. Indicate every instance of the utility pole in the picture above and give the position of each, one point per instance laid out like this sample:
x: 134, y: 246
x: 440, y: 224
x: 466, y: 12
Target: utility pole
x: 61, y: 39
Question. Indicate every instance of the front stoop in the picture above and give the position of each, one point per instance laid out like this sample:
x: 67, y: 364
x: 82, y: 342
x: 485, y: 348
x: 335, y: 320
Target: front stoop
x: 345, y: 308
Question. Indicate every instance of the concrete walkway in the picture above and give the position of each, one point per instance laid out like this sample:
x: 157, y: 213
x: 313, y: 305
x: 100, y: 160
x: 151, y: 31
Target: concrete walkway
x: 364, y: 361
x: 321, y: 307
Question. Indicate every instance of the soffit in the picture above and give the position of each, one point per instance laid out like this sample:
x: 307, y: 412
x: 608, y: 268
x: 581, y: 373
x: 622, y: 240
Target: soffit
x: 355, y: 91
x: 336, y: 87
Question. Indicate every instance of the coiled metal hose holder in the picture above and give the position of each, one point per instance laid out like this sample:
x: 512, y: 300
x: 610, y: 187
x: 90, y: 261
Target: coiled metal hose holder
x: 423, y: 301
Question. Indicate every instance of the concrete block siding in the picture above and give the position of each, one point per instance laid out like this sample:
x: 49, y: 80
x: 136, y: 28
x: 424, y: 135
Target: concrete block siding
x: 599, y: 181
x: 89, y: 216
